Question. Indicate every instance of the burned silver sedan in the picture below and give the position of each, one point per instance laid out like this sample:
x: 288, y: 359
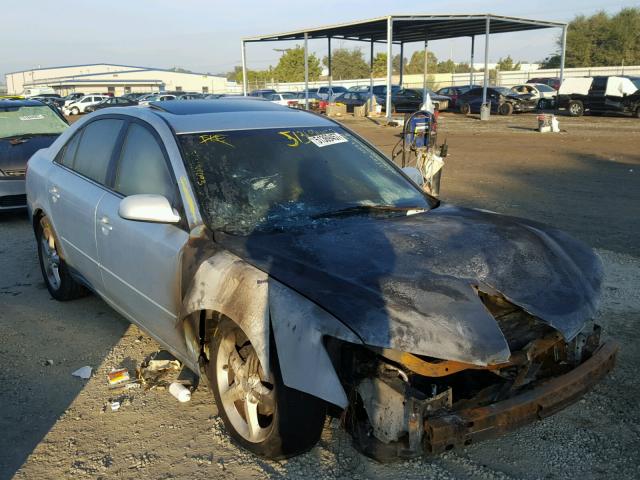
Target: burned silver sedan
x: 303, y: 273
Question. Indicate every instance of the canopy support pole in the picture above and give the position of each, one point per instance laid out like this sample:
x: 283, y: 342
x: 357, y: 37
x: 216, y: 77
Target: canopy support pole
x: 389, y: 64
x: 371, y: 77
x: 401, y: 62
x: 426, y: 70
x: 244, y: 67
x: 306, y: 71
x: 329, y: 61
x: 486, y: 60
x: 473, y: 46
x: 563, y: 53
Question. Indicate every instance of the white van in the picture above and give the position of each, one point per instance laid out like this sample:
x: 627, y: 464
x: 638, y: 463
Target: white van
x: 35, y: 92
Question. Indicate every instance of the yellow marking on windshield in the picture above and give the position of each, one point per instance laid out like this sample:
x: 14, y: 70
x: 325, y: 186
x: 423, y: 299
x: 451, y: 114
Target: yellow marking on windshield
x: 187, y: 194
x: 293, y: 138
x: 216, y: 138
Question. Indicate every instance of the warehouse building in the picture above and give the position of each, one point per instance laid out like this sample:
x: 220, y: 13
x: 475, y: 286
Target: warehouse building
x: 112, y: 79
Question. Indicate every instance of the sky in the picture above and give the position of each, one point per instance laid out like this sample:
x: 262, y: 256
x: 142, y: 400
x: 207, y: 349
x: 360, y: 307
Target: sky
x: 204, y: 36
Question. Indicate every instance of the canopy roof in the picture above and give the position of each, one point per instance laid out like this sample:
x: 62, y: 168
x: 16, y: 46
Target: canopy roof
x: 414, y: 28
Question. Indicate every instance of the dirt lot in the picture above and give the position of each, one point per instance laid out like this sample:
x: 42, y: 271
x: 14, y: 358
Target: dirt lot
x: 585, y: 180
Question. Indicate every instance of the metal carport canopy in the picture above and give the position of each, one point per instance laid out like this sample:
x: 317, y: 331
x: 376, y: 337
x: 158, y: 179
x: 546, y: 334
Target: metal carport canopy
x: 412, y: 28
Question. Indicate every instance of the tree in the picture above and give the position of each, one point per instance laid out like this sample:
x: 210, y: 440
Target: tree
x: 416, y: 64
x: 347, y: 64
x: 601, y: 40
x: 506, y: 64
x: 290, y: 67
x: 380, y: 65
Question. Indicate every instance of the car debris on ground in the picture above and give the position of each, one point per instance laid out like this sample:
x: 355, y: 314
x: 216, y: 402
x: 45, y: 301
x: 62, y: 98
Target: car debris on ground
x: 84, y: 373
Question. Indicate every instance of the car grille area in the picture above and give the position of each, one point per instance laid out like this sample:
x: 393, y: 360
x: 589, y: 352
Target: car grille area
x: 13, y: 201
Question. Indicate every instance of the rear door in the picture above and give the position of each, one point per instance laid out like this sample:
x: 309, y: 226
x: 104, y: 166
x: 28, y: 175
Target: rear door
x: 75, y: 187
x: 141, y: 261
x: 596, y: 98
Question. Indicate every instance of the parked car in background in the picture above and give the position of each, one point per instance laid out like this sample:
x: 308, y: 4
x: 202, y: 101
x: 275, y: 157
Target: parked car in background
x: 136, y: 96
x: 80, y: 105
x: 503, y: 100
x: 158, y: 97
x: 599, y: 95
x: 212, y: 96
x: 112, y: 102
x: 285, y: 99
x: 553, y: 82
x: 264, y: 92
x: 410, y: 100
x: 454, y: 92
x: 189, y: 96
x: 72, y: 97
x: 359, y: 88
x: 56, y: 102
x: 330, y: 93
x: 302, y: 272
x: 352, y: 99
x: 541, y: 92
x: 38, y: 92
x: 26, y: 126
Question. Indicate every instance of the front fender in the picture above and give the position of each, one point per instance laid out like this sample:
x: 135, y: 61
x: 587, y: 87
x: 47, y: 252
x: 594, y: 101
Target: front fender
x: 226, y: 284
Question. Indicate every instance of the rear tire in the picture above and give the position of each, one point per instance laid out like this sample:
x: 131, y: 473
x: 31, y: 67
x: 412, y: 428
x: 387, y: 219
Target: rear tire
x: 505, y: 109
x: 261, y: 414
x: 61, y: 285
x: 575, y: 108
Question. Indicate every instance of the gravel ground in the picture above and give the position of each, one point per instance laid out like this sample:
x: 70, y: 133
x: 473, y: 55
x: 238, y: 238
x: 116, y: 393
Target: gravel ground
x: 57, y: 426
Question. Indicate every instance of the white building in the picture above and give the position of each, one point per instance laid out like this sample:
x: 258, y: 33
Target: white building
x: 112, y: 79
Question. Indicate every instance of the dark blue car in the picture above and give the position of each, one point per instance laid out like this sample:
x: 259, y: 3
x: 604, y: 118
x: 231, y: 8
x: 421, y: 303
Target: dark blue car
x: 26, y: 126
x: 503, y: 101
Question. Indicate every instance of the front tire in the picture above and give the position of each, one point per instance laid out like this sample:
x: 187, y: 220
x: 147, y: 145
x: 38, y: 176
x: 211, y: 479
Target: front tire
x: 261, y: 414
x: 576, y: 109
x: 465, y: 109
x: 75, y: 111
x: 61, y: 285
x: 505, y: 109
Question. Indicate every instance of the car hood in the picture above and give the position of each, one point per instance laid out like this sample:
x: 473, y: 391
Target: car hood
x: 410, y: 282
x: 15, y: 157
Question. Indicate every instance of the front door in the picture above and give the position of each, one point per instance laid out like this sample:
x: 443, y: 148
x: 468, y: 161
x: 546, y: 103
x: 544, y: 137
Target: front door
x: 141, y: 261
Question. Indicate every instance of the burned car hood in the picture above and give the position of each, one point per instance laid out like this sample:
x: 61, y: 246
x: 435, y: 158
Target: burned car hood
x: 410, y: 282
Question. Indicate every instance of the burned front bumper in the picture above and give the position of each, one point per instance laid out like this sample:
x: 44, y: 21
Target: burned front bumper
x: 467, y: 426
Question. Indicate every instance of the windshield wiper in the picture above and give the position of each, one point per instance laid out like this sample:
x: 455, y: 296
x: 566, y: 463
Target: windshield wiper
x: 355, y: 209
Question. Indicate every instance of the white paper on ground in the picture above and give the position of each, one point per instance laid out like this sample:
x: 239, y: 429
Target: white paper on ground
x: 84, y: 372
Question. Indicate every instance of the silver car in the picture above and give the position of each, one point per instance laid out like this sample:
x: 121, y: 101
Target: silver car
x: 295, y: 266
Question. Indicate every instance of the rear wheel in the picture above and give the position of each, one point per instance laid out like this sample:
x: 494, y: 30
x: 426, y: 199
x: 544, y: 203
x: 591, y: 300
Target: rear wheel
x: 505, y: 109
x: 576, y: 109
x: 61, y: 285
x: 261, y: 414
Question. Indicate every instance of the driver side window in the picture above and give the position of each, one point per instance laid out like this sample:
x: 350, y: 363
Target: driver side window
x: 142, y: 167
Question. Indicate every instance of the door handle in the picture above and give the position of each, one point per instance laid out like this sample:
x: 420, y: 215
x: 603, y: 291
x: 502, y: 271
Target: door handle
x: 105, y: 226
x: 55, y: 194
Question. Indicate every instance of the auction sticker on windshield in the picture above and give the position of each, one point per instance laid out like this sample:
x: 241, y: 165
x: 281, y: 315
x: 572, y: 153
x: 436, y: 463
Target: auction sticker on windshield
x: 326, y: 139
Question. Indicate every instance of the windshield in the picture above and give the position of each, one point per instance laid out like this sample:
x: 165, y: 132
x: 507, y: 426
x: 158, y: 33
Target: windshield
x: 30, y: 120
x: 279, y: 178
x: 503, y: 90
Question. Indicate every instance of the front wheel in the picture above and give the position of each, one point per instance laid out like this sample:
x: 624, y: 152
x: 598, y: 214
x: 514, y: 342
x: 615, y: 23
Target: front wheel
x: 576, y: 109
x: 75, y: 111
x: 505, y: 109
x: 465, y: 109
x: 261, y: 414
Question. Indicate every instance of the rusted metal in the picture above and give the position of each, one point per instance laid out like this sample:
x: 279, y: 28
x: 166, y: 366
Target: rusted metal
x: 449, y: 367
x: 473, y: 424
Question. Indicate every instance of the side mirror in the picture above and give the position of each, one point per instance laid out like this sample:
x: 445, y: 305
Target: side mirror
x: 414, y: 174
x: 147, y: 208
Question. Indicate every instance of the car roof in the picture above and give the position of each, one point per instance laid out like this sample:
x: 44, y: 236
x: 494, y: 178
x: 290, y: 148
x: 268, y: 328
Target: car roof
x: 20, y: 103
x: 233, y: 114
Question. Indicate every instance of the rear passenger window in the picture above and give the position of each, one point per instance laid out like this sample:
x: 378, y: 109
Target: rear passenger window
x: 96, y: 147
x: 142, y: 167
x: 68, y: 153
